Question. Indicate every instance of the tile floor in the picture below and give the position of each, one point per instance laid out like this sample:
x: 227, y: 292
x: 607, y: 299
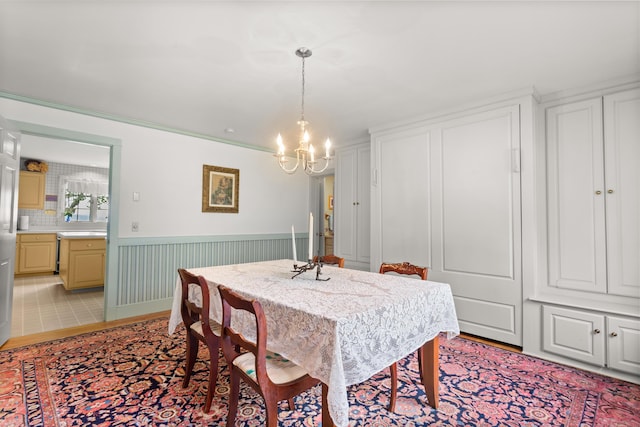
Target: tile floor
x: 41, y: 303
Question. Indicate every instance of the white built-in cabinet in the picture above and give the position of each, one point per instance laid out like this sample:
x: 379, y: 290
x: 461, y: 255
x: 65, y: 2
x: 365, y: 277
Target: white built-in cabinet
x: 589, y: 304
x: 352, y: 205
x: 447, y: 195
x: 593, y: 149
x: 598, y: 339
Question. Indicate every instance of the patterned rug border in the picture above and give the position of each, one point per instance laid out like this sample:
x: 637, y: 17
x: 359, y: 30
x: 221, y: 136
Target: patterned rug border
x: 481, y: 385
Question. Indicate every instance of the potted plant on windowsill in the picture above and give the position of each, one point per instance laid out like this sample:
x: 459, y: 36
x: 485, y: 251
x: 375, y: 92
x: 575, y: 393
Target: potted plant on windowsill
x: 70, y: 210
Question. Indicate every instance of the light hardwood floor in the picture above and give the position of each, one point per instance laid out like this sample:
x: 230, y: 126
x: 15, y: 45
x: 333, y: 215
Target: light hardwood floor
x: 69, y: 332
x: 77, y: 330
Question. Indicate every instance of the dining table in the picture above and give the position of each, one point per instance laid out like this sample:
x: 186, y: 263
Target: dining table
x: 343, y: 328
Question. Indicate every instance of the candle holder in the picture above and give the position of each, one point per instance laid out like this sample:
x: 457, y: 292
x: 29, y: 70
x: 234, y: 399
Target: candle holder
x: 310, y: 265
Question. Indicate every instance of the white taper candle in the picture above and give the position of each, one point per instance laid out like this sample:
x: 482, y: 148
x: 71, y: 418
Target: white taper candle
x: 293, y: 241
x: 310, y: 236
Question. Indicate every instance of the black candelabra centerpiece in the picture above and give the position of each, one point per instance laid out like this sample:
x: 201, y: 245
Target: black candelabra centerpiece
x: 310, y: 265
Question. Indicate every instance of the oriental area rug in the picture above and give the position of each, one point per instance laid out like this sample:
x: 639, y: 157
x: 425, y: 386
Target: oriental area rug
x: 131, y: 376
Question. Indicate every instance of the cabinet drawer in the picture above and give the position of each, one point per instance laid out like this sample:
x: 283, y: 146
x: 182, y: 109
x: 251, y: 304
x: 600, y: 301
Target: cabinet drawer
x: 87, y: 244
x: 30, y: 238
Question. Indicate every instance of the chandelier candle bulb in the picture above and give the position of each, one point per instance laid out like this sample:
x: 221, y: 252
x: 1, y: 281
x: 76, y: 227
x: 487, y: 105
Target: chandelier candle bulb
x: 293, y: 240
x: 311, y: 151
x: 327, y: 146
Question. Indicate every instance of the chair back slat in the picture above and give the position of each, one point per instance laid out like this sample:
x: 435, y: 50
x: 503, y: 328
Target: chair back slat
x: 233, y: 340
x: 190, y: 311
x: 404, y: 268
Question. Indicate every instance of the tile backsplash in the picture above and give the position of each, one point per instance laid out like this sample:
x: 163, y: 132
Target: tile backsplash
x: 49, y: 216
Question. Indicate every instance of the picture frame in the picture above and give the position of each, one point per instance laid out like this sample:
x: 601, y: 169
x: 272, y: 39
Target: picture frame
x: 220, y: 189
x: 331, y: 202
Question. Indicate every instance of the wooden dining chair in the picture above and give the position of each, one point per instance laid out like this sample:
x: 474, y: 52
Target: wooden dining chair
x: 271, y: 375
x: 406, y: 269
x: 200, y: 328
x: 330, y: 259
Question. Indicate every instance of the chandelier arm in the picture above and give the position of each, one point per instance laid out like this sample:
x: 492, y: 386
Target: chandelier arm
x: 282, y: 161
x: 311, y: 170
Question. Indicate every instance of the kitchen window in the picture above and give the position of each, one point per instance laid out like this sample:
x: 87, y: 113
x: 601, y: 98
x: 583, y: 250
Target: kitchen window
x: 85, y: 200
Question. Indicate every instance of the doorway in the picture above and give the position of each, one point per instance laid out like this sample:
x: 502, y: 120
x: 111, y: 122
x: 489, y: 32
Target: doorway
x: 111, y: 148
x: 322, y: 191
x: 40, y: 301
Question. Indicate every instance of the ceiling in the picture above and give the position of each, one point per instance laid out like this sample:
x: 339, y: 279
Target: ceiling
x: 227, y: 69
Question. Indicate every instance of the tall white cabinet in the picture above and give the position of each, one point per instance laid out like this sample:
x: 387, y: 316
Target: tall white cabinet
x: 352, y: 205
x: 447, y: 195
x: 589, y: 302
x: 594, y: 194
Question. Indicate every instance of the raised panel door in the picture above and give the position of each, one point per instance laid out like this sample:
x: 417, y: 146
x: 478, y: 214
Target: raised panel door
x: 86, y: 268
x: 475, y: 188
x: 622, y: 179
x: 575, y: 334
x: 37, y: 257
x: 405, y: 211
x: 363, y: 205
x: 345, y: 204
x: 31, y: 190
x: 576, y: 197
x: 623, y: 342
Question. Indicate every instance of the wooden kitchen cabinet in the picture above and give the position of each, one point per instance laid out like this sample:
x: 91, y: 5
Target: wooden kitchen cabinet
x: 82, y: 262
x: 35, y: 253
x: 31, y: 190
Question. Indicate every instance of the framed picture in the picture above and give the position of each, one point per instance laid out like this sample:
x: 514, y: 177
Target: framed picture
x: 220, y: 189
x: 331, y: 202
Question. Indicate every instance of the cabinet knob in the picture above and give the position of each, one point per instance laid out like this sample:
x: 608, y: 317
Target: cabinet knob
x: 596, y: 331
x: 598, y: 192
x: 614, y: 334
x: 610, y: 191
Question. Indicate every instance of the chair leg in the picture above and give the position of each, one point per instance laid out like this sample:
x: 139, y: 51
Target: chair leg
x: 292, y: 405
x: 191, y: 355
x: 394, y: 386
x: 271, y: 408
x: 213, y: 377
x: 234, y: 395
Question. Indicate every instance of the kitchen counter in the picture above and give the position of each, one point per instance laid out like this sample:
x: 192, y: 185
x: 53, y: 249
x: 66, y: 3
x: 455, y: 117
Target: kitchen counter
x: 82, y: 234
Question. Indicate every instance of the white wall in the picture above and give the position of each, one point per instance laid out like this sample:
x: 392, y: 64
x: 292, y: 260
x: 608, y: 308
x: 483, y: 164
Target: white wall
x: 166, y: 169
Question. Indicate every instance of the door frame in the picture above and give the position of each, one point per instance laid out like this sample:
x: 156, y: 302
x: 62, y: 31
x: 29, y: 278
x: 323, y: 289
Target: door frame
x: 315, y: 198
x: 115, y: 146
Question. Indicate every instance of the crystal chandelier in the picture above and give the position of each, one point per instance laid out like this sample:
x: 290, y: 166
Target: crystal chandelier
x: 305, y: 153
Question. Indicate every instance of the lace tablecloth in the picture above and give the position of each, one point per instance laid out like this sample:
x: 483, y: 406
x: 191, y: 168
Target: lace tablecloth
x: 342, y: 331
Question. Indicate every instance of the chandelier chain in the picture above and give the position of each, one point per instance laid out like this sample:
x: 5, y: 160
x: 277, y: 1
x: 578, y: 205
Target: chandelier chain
x: 302, y: 105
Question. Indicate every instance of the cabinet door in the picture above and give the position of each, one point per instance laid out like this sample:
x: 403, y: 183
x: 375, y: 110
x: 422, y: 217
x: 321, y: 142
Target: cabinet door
x: 86, y: 268
x: 31, y: 190
x: 404, y: 211
x: 345, y: 204
x: 623, y: 337
x: 622, y: 178
x: 363, y: 205
x: 37, y: 253
x: 574, y: 334
x: 576, y: 197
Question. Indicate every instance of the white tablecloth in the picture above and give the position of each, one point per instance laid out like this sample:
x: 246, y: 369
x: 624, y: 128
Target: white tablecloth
x: 342, y: 331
